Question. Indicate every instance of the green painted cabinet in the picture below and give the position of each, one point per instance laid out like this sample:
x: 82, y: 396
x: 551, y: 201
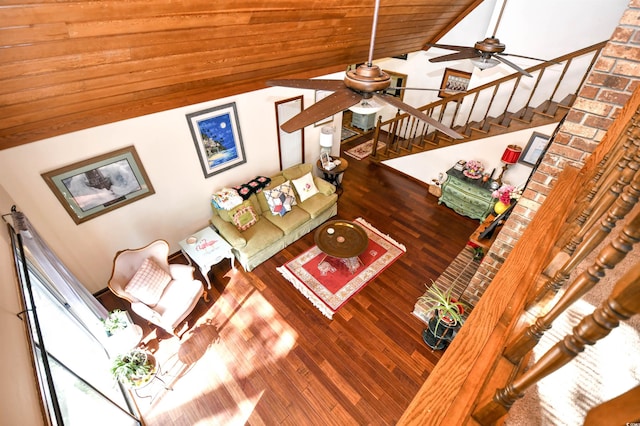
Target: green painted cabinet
x: 466, y: 196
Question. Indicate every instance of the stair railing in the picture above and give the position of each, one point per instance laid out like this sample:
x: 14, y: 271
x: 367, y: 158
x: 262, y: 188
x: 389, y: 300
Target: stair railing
x: 473, y: 116
x: 492, y: 349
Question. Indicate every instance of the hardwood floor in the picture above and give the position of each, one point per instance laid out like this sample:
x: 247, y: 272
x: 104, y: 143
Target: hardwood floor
x: 260, y: 354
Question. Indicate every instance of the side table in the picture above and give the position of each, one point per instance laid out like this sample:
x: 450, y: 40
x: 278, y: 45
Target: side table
x: 206, y: 248
x: 334, y: 175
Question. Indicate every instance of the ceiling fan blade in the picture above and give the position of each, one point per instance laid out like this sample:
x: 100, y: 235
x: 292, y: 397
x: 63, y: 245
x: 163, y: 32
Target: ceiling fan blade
x: 449, y: 47
x: 391, y: 100
x: 526, y: 57
x: 512, y: 65
x: 332, y: 104
x: 467, y: 54
x: 329, y: 85
x: 424, y: 88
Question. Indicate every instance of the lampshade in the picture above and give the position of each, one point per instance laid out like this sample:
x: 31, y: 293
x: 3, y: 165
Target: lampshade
x: 511, y: 154
x: 326, y: 137
x: 484, y: 63
x: 366, y: 107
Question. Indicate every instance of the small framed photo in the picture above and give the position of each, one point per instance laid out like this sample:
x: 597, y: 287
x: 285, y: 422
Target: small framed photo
x: 453, y: 82
x: 98, y: 185
x: 216, y: 135
x: 535, y: 148
x: 325, y: 159
x: 397, y: 80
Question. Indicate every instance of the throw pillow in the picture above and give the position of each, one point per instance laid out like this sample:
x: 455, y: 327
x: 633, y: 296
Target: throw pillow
x: 244, y: 216
x: 305, y: 186
x: 148, y: 283
x: 280, y: 199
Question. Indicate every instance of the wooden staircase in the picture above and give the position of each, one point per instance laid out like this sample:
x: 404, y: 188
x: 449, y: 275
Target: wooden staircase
x: 509, y: 104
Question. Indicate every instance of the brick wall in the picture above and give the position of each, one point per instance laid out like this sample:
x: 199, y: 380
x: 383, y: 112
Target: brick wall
x: 613, y: 79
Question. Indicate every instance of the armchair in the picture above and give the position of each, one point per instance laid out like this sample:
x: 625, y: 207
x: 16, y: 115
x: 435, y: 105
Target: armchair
x: 162, y: 293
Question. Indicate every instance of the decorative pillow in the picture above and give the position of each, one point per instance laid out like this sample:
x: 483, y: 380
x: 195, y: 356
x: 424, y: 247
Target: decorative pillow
x: 226, y: 199
x: 280, y: 199
x: 244, y: 216
x: 305, y: 187
x: 148, y: 283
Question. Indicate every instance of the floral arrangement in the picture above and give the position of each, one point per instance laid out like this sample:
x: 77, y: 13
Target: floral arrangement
x: 504, y: 194
x: 473, y: 169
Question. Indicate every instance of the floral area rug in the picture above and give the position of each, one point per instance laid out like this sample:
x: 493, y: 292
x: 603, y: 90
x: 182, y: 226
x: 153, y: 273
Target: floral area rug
x: 364, y: 149
x: 330, y: 282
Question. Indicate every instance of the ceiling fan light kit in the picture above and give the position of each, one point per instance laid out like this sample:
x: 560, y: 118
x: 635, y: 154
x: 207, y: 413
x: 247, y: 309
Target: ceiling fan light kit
x: 358, y: 91
x: 484, y: 63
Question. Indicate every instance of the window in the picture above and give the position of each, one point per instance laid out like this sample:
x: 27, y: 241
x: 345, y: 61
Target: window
x: 72, y: 366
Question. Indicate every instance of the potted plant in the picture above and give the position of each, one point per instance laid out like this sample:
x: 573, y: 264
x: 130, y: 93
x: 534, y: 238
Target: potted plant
x: 116, y: 320
x: 446, y: 316
x: 134, y: 368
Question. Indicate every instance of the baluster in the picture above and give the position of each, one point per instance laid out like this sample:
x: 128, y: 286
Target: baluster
x: 376, y: 136
x: 622, y: 303
x: 606, y: 198
x: 608, y: 257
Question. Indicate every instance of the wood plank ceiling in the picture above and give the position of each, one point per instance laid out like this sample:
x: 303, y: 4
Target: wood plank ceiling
x: 68, y: 65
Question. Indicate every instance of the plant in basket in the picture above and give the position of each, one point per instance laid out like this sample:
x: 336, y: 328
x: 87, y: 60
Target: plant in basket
x: 134, y: 368
x: 446, y: 316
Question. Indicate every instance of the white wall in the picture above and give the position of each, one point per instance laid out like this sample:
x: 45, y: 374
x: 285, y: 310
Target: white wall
x: 429, y: 165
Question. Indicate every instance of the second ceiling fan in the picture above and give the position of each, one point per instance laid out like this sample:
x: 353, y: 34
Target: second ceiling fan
x: 484, y: 53
x: 364, y: 83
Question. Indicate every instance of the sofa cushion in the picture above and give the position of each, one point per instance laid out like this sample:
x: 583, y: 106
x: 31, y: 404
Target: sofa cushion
x: 244, y: 216
x: 261, y: 235
x: 148, y: 283
x: 291, y: 222
x: 295, y: 172
x: 305, y: 187
x: 318, y: 204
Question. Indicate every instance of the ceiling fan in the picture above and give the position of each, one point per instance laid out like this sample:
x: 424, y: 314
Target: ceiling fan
x: 485, y: 53
x: 360, y: 86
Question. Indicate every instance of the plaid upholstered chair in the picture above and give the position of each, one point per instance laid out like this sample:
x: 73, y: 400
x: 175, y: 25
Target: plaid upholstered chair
x: 162, y: 293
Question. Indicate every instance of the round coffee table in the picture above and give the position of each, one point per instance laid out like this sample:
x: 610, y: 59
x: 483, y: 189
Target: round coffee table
x: 344, y: 240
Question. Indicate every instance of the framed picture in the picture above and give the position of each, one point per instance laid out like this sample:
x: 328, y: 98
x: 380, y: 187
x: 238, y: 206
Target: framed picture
x: 454, y: 81
x: 320, y: 95
x: 216, y: 134
x: 98, y: 185
x: 397, y: 80
x: 535, y: 148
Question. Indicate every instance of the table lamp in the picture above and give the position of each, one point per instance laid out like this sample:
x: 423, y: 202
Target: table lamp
x: 326, y: 139
x: 509, y: 157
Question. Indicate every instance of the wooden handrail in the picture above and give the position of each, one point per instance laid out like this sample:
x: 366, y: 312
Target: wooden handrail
x: 402, y: 131
x: 473, y: 366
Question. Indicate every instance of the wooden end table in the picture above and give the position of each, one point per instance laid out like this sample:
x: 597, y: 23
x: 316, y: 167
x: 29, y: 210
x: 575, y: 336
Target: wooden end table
x: 334, y: 176
x: 206, y: 248
x: 344, y: 240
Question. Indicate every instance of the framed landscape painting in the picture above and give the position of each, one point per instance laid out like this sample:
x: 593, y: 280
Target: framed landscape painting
x: 216, y: 135
x: 98, y: 185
